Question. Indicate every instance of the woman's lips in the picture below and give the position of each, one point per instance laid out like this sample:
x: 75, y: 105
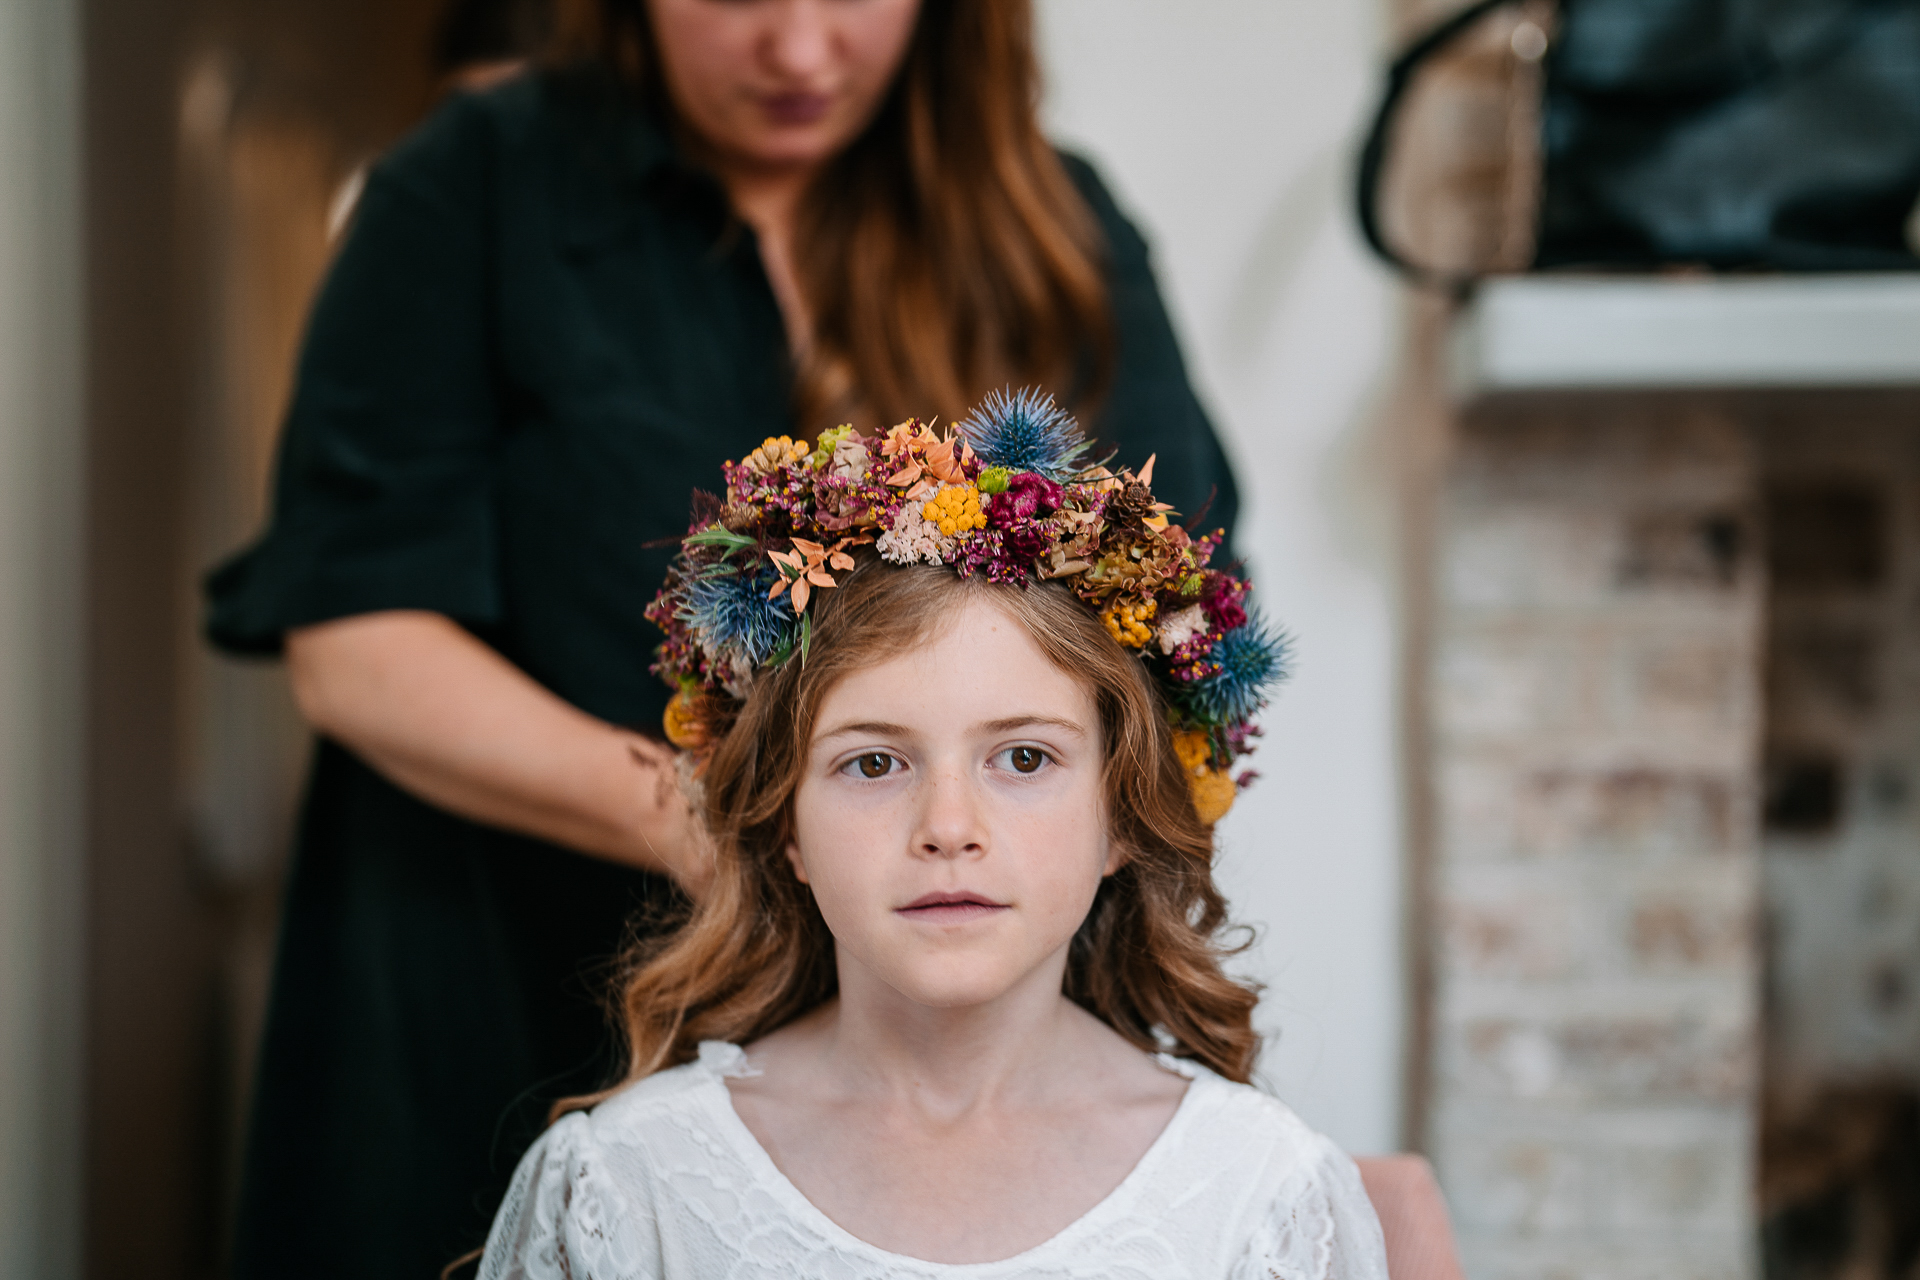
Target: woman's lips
x: 951, y: 908
x: 795, y: 108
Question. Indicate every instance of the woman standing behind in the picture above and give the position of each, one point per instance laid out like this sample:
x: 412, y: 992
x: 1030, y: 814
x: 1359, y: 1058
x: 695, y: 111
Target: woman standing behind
x: 562, y: 303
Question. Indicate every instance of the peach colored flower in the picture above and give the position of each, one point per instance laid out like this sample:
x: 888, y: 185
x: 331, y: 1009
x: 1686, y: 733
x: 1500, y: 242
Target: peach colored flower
x: 805, y: 567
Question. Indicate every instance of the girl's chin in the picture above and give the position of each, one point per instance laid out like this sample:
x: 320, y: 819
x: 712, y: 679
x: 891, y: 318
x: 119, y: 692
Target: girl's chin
x: 953, y: 988
x: 937, y: 999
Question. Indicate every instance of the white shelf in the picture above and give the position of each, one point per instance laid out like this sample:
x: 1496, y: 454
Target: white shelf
x: 1540, y: 333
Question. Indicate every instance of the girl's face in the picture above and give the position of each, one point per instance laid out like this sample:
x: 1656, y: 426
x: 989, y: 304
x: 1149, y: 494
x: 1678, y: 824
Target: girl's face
x: 780, y: 83
x: 951, y: 819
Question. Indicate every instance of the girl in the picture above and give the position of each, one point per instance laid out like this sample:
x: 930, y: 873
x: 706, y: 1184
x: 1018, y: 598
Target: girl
x: 953, y: 1004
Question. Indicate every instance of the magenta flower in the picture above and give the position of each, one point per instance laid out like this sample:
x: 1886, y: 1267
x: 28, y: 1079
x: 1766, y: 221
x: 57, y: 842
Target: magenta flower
x: 1026, y: 543
x: 1220, y: 597
x: 1029, y: 496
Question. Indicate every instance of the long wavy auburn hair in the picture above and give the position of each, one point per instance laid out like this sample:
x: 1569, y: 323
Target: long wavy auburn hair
x: 945, y: 252
x: 756, y: 954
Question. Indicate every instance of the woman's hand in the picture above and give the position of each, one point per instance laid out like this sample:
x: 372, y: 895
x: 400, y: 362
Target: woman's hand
x: 445, y: 717
x: 679, y: 840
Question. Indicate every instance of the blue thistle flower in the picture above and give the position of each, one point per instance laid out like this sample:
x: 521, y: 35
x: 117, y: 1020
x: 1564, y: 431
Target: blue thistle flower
x: 730, y: 613
x: 1252, y: 660
x: 1026, y: 431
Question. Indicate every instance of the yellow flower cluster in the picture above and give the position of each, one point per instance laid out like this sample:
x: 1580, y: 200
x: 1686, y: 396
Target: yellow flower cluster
x: 1193, y: 748
x: 778, y: 451
x: 1213, y: 790
x: 1213, y: 795
x: 955, y: 509
x: 1127, y: 621
x: 683, y: 722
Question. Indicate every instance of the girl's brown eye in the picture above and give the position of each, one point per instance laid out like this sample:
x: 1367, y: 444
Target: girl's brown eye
x: 1026, y: 759
x: 876, y: 764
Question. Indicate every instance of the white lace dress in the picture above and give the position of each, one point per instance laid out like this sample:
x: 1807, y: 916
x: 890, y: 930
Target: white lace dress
x: 663, y: 1182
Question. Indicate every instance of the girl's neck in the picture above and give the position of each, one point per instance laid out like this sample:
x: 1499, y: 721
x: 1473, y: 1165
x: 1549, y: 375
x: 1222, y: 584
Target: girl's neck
x: 951, y: 1060
x: 955, y: 1135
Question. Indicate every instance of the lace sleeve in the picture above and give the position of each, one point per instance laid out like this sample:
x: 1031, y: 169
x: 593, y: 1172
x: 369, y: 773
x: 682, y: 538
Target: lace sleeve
x: 565, y: 1219
x: 1320, y: 1226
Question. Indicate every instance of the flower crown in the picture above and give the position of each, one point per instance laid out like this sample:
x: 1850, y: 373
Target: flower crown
x: 1009, y: 493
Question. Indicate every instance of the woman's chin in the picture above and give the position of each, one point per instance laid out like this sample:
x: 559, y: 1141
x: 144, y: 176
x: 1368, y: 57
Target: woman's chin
x: 774, y: 149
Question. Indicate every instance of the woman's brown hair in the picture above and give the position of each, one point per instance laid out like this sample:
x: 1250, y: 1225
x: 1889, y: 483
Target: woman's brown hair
x: 756, y: 954
x: 945, y: 252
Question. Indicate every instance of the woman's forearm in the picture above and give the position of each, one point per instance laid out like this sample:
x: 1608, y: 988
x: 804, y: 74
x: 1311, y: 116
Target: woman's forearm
x: 448, y: 719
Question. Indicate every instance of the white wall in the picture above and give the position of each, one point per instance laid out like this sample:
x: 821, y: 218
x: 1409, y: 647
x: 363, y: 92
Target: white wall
x: 40, y: 457
x: 1227, y: 130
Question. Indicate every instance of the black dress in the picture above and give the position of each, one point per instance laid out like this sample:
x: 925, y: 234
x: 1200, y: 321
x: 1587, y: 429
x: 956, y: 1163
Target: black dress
x: 541, y: 334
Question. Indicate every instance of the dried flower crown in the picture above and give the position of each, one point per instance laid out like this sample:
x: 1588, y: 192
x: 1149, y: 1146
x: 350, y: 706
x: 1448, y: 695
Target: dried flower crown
x: 1008, y: 493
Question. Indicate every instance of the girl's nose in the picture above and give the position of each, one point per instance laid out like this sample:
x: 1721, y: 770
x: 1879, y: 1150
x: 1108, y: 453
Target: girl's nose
x: 951, y: 824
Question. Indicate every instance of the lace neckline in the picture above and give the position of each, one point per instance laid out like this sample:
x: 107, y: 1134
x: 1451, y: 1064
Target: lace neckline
x: 719, y: 1060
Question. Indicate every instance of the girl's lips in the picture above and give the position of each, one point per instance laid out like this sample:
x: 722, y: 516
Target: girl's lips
x: 950, y: 908
x: 795, y: 108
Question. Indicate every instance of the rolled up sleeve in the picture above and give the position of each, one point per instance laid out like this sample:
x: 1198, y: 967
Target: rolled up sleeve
x: 384, y: 485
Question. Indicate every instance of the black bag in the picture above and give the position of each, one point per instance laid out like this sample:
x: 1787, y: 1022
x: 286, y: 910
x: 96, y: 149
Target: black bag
x: 1732, y: 134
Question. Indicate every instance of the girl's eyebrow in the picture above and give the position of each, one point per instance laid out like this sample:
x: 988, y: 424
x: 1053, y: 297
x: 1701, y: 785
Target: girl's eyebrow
x: 884, y: 729
x: 871, y: 728
x: 1026, y: 722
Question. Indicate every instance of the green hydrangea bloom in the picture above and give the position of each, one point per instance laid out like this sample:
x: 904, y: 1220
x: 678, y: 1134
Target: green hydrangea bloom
x: 829, y: 441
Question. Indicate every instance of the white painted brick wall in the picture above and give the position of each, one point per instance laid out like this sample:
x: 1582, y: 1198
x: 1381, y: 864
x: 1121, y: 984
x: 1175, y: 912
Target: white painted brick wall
x: 1593, y: 725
